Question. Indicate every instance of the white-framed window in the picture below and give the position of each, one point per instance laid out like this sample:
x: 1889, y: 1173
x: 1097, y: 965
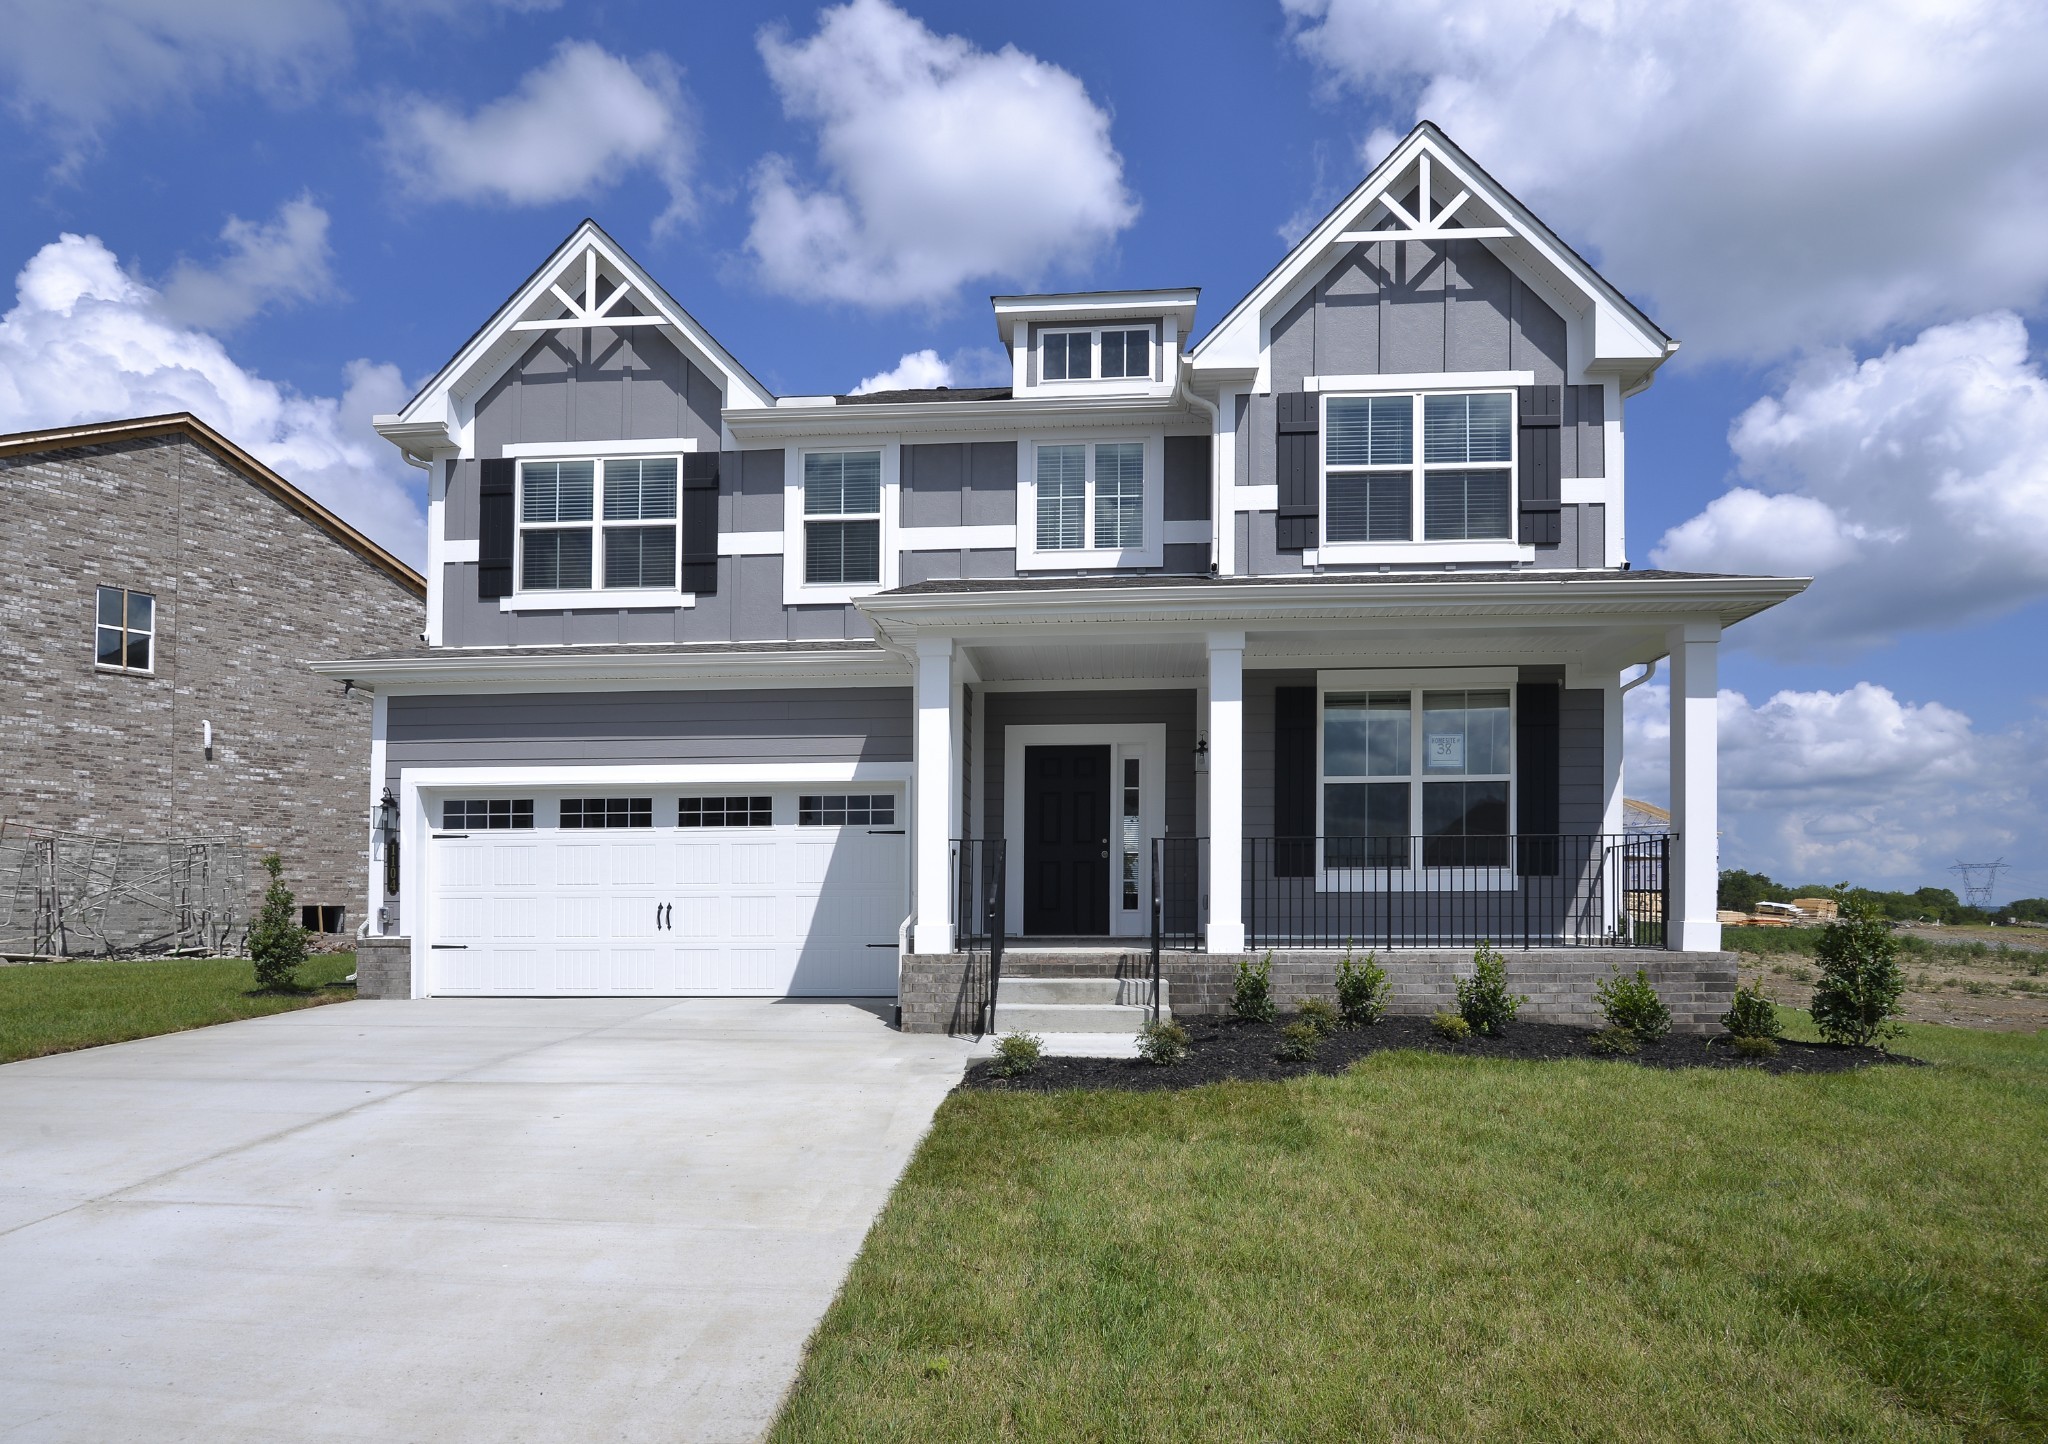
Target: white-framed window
x: 834, y: 809
x: 1381, y: 487
x: 749, y: 811
x: 598, y: 524
x: 488, y: 814
x: 1415, y: 776
x: 1106, y: 353
x: 124, y: 631
x: 1090, y: 502
x: 842, y: 493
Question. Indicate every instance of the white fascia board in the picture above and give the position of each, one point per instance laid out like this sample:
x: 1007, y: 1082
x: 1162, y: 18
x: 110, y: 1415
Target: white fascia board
x: 1421, y: 381
x: 1178, y: 303
x: 649, y: 446
x: 576, y: 669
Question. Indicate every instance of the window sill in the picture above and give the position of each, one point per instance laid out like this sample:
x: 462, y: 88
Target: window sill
x: 105, y: 670
x: 1087, y: 559
x: 619, y: 599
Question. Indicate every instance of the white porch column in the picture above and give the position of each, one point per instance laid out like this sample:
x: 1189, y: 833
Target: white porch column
x: 1695, y: 782
x: 1226, y: 792
x: 932, y: 793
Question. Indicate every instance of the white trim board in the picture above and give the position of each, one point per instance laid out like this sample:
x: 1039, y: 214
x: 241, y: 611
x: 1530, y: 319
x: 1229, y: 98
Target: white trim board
x: 653, y: 446
x: 666, y: 774
x: 1421, y: 381
x: 616, y: 599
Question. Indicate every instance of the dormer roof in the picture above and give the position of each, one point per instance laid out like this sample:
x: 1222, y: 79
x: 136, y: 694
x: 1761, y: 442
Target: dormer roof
x: 588, y: 281
x: 1176, y: 301
x: 1428, y: 190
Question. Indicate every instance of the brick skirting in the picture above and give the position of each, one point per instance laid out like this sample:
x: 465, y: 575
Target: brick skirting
x: 384, y: 967
x: 942, y: 993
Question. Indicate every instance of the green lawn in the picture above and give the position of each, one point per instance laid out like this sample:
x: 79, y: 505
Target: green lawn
x: 55, y: 1007
x: 1444, y: 1248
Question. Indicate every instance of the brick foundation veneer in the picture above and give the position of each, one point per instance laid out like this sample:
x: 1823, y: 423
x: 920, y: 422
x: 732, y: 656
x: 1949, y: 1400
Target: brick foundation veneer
x: 941, y: 993
x: 384, y: 967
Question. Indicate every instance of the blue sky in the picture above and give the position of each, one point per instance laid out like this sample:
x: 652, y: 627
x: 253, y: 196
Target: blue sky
x: 299, y: 208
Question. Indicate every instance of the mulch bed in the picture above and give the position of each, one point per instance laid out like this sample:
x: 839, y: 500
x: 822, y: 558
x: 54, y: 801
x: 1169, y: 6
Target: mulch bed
x: 1229, y: 1048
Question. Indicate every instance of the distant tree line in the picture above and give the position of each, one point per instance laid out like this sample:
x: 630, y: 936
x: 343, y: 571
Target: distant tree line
x: 1741, y: 891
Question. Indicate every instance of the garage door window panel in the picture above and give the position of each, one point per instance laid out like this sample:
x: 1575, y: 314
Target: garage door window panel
x: 487, y: 814
x: 848, y: 810
x: 725, y: 812
x: 586, y: 813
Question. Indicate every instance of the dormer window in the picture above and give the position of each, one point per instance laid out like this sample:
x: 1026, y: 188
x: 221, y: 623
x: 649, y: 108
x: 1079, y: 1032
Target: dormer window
x: 1117, y: 353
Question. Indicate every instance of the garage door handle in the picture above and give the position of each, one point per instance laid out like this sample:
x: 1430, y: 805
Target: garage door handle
x: 881, y: 945
x: 460, y: 947
x: 885, y: 832
x: 670, y: 922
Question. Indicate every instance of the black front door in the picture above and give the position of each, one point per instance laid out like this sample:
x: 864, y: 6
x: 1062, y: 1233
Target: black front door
x: 1066, y: 841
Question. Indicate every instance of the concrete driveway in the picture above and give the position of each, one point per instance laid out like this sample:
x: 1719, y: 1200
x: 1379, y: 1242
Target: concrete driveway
x: 565, y: 1220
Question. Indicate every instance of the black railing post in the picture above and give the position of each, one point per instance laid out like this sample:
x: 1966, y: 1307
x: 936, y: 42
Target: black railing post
x: 1158, y: 872
x: 995, y: 925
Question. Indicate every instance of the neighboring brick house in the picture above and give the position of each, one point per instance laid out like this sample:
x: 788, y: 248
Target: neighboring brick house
x: 164, y: 590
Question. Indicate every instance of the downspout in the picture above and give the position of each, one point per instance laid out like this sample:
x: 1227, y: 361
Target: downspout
x: 1649, y: 671
x: 1216, y: 518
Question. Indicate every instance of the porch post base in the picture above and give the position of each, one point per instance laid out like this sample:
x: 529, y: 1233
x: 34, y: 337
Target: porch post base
x: 1225, y: 937
x: 932, y: 938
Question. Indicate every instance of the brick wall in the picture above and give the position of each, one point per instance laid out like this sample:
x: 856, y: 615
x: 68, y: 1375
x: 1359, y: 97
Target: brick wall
x: 247, y: 592
x: 941, y: 993
x: 384, y: 968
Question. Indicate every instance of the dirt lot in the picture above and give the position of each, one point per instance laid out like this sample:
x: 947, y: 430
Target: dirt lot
x: 1995, y: 978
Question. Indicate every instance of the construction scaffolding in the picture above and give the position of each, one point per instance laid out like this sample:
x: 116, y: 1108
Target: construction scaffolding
x: 75, y: 895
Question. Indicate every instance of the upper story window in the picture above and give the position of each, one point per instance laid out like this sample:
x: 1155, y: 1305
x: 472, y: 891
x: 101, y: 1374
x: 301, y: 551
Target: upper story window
x: 125, y: 634
x: 1103, y: 480
x: 1083, y: 355
x: 564, y: 547
x: 1459, y: 482
x: 843, y: 517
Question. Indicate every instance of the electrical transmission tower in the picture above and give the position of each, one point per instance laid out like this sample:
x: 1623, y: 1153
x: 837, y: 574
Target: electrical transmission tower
x: 1979, y: 880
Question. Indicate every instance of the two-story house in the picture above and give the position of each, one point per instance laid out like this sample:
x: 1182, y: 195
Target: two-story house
x: 1314, y: 630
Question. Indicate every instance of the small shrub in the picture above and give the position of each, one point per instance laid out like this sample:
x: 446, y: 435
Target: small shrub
x: 1858, y: 994
x: 1017, y: 1054
x: 1252, y: 999
x: 1363, y: 990
x: 1484, y: 1001
x: 1615, y: 1041
x: 1754, y: 1013
x: 277, y: 944
x: 1319, y: 1014
x: 1164, y: 1043
x: 1632, y: 1004
x: 1450, y: 1027
x: 1755, y: 1046
x: 1298, y: 1042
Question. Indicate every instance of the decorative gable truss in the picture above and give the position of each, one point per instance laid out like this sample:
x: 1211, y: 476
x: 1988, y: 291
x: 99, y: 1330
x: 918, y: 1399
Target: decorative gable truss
x: 587, y: 284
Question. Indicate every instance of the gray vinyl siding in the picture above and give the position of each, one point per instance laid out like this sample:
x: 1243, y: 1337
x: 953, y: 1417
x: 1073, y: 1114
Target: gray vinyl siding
x: 1582, y: 449
x: 952, y: 566
x: 1175, y: 707
x: 827, y: 724
x: 599, y: 385
x: 1582, y: 538
x: 1256, y: 553
x: 960, y: 483
x: 1187, y: 478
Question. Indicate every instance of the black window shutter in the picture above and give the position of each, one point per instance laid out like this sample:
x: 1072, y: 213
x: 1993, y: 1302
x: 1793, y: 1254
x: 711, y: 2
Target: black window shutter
x: 1294, y: 781
x: 700, y: 523
x: 1541, y: 444
x: 1536, y: 777
x: 1297, y: 423
x: 494, y: 528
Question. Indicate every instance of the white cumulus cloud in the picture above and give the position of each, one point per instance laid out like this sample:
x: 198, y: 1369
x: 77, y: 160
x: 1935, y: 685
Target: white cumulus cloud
x: 284, y: 260
x: 941, y: 163
x: 571, y: 127
x: 87, y: 341
x: 1857, y: 784
x: 1767, y: 175
x: 1913, y: 485
x: 969, y: 366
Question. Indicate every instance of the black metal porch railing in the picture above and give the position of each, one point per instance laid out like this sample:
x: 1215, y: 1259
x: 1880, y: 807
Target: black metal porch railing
x: 1593, y: 890
x: 978, y: 910
x: 1177, y: 893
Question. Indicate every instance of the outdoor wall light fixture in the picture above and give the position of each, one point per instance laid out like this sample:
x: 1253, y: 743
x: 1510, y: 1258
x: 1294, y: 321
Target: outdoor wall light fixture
x: 387, y: 830
x: 1201, y: 754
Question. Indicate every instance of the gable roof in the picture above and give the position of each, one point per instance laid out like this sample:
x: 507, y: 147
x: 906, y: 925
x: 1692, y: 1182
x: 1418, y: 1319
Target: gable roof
x: 184, y: 423
x: 432, y: 418
x: 1625, y: 339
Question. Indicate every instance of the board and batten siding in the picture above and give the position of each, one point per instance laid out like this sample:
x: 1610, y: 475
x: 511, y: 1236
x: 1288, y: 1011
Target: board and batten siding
x: 1173, y: 706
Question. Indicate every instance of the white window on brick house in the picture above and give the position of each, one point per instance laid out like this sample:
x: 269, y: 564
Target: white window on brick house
x: 125, y: 635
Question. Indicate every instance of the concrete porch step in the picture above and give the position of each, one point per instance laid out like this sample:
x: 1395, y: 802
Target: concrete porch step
x: 1023, y: 988
x: 1070, y: 1018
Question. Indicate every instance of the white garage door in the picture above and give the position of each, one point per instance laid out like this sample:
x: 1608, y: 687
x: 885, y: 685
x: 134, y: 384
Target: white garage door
x: 764, y: 892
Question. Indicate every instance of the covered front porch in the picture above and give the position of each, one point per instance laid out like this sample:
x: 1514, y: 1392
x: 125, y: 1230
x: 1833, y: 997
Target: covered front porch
x: 1405, y: 761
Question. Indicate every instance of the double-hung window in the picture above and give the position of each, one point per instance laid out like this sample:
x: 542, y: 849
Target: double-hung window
x: 843, y: 517
x: 563, y: 546
x: 124, y: 637
x: 1112, y: 353
x: 1416, y: 777
x: 1377, y: 483
x: 1091, y: 495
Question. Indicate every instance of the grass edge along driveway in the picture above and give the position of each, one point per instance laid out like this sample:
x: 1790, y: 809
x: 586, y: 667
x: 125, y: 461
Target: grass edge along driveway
x: 1448, y: 1248
x: 57, y: 1007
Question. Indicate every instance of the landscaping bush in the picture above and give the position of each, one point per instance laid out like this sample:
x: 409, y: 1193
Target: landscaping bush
x: 1017, y: 1054
x: 1252, y: 999
x: 1755, y: 1045
x: 1164, y: 1043
x: 1484, y: 1001
x: 1298, y: 1042
x: 1616, y: 1040
x: 277, y: 944
x: 1857, y: 996
x: 1450, y: 1027
x: 1754, y: 1013
x: 1363, y: 990
x: 1632, y: 1004
x: 1318, y: 1013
